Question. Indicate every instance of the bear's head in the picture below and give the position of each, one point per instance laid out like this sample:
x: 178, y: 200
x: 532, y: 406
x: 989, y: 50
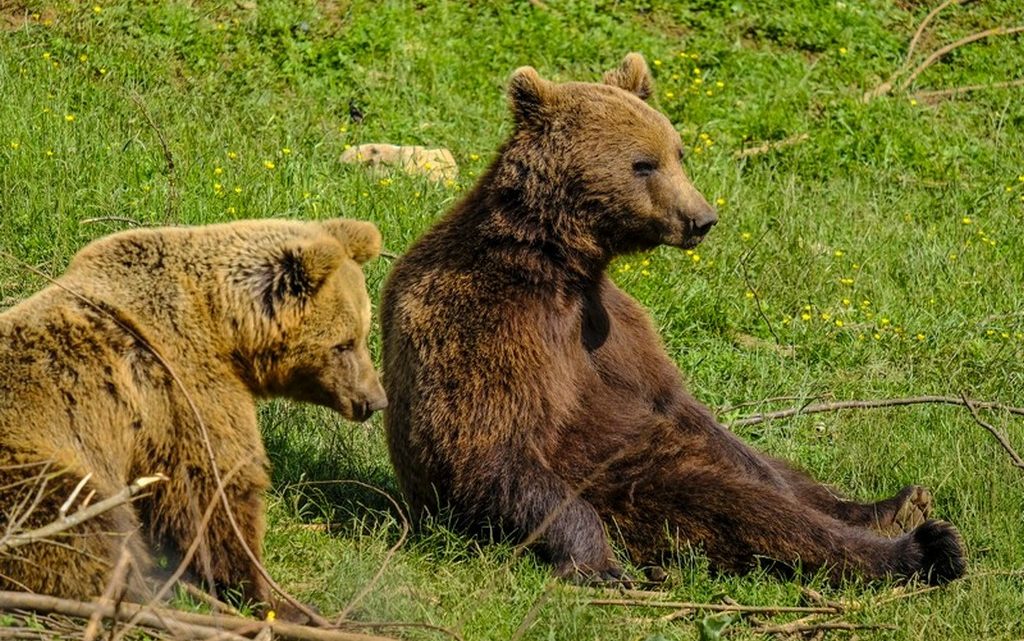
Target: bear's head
x: 599, y: 165
x: 309, y: 341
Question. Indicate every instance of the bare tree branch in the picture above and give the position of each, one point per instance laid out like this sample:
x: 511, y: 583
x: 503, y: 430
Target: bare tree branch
x: 18, y: 539
x: 1017, y: 462
x: 754, y: 419
x: 938, y: 53
x: 184, y: 625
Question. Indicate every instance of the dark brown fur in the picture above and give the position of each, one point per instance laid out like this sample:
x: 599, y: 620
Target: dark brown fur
x: 528, y: 391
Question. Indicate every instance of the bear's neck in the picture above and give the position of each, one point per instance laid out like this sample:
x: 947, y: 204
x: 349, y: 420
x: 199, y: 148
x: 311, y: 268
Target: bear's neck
x: 538, y: 235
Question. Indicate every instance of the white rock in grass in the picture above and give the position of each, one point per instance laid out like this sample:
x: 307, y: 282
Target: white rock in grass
x: 436, y: 164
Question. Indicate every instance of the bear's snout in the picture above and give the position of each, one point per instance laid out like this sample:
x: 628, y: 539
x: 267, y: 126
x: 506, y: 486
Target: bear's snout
x: 703, y: 222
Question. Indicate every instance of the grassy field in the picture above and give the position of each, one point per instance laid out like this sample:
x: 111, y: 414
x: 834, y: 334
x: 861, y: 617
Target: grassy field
x: 881, y: 254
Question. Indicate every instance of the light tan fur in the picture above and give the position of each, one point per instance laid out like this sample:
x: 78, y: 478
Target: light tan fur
x: 96, y: 373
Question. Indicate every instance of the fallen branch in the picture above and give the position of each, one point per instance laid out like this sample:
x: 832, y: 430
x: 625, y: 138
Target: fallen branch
x: 754, y: 419
x: 19, y: 539
x: 533, y: 613
x: 920, y: 31
x: 753, y: 290
x: 184, y: 625
x: 715, y: 607
x: 172, y: 189
x: 797, y: 627
x: 937, y: 94
x: 938, y: 53
x: 1017, y: 461
x: 112, y: 219
x: 764, y: 401
x: 771, y: 146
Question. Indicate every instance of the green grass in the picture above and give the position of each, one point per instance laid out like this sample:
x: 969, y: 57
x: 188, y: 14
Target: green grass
x: 887, y: 248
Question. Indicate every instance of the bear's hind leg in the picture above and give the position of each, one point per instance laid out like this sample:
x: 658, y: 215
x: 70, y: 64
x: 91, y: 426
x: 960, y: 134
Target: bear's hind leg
x: 738, y: 520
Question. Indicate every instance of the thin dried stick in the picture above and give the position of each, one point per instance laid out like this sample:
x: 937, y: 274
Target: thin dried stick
x: 764, y: 401
x: 771, y: 145
x: 385, y: 625
x: 112, y: 219
x: 715, y: 607
x: 938, y: 94
x: 618, y: 591
x: 938, y: 53
x: 753, y: 290
x: 186, y: 559
x: 172, y: 189
x: 115, y: 586
x: 125, y: 495
x: 211, y: 601
x: 871, y: 404
x: 189, y: 625
x: 387, y: 557
x: 920, y: 31
x: 533, y: 612
x: 1017, y: 461
x: 803, y: 627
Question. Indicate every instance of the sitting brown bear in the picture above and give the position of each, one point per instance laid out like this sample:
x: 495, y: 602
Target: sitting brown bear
x: 146, y: 358
x: 528, y: 392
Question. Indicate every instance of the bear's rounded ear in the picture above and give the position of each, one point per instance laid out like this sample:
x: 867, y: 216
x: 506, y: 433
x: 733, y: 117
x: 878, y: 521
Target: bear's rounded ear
x: 527, y: 93
x: 295, y: 272
x: 632, y: 76
x: 361, y: 238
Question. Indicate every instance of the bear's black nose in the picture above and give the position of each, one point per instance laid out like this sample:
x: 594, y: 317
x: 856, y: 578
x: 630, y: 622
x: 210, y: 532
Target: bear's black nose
x: 703, y: 222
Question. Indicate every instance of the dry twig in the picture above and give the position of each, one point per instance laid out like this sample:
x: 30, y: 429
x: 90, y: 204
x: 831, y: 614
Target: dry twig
x: 771, y: 145
x: 184, y: 625
x: 112, y: 219
x: 938, y: 94
x: 18, y: 539
x: 1017, y: 461
x: 803, y: 627
x: 754, y: 419
x: 942, y: 51
x: 753, y: 290
x: 172, y: 188
x: 714, y: 607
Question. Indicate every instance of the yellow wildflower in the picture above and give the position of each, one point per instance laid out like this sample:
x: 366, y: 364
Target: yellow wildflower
x: 69, y: 117
x: 268, y: 164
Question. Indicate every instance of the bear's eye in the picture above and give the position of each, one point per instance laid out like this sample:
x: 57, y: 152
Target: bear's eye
x: 345, y: 346
x: 644, y: 167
